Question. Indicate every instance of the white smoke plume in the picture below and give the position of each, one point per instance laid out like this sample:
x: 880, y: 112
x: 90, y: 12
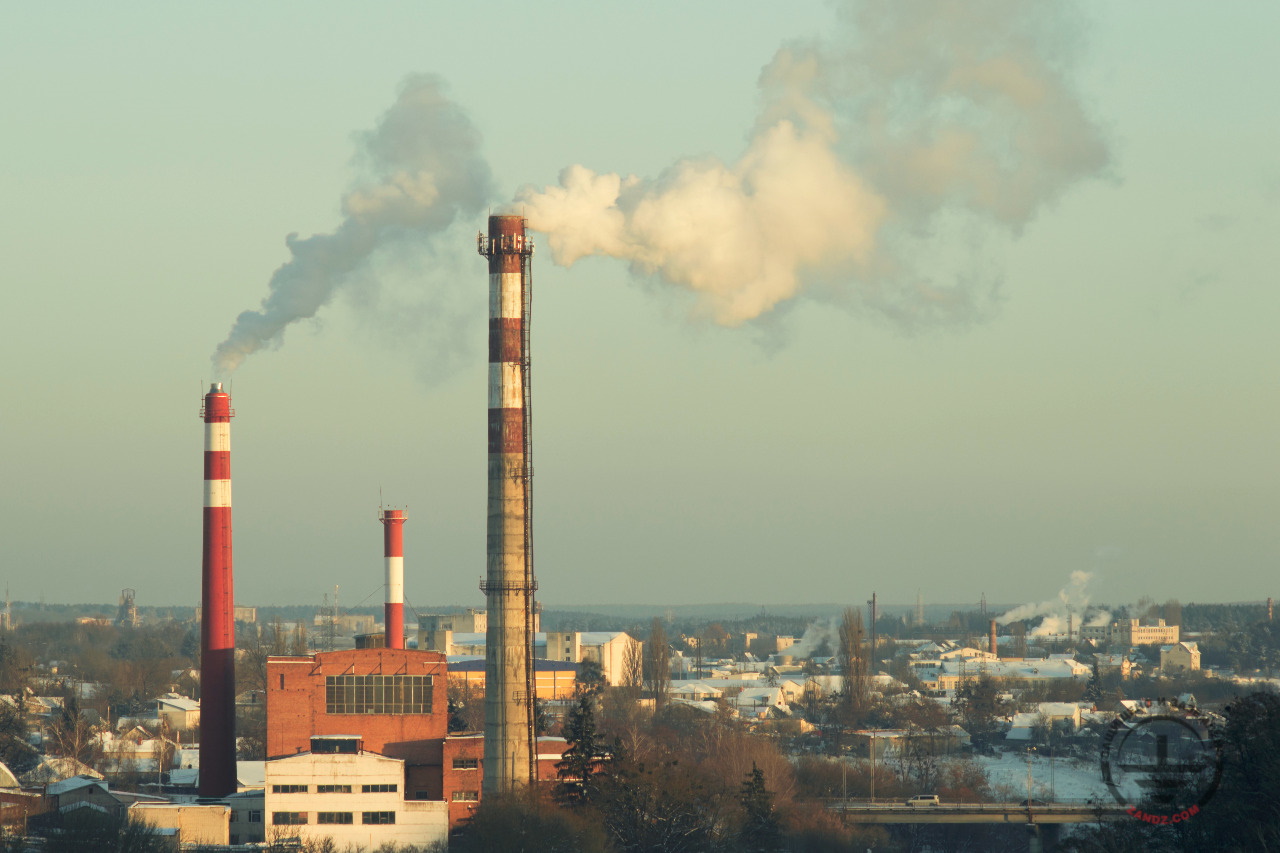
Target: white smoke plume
x: 914, y: 118
x: 1072, y: 600
x: 814, y: 637
x: 424, y: 171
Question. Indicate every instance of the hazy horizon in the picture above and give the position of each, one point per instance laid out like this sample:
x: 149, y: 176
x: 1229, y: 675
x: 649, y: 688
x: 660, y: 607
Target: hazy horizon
x: 823, y: 304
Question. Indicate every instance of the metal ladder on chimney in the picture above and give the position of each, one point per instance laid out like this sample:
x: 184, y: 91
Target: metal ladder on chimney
x: 530, y: 585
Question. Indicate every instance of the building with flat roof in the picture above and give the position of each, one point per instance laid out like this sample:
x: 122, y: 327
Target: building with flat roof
x: 385, y: 704
x: 356, y: 798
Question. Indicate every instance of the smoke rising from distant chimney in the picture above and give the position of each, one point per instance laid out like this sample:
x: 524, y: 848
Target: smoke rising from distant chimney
x: 424, y: 171
x: 1056, y: 612
x: 912, y: 121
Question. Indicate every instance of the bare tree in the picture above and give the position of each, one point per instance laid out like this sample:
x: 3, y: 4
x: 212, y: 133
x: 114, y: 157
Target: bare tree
x: 633, y: 668
x: 300, y: 644
x: 73, y: 736
x: 657, y: 664
x: 853, y: 665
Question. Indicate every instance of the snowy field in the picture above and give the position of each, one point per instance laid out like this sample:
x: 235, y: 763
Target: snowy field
x: 1061, y: 780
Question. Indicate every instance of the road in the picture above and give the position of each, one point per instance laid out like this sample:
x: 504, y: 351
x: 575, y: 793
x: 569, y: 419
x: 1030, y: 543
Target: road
x: 884, y: 812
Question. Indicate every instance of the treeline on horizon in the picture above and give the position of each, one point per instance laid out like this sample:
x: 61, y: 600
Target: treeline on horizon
x: 894, y: 620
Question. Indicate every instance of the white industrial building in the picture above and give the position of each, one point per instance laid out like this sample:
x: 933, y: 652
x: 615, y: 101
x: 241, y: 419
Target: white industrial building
x: 355, y: 798
x: 608, y: 648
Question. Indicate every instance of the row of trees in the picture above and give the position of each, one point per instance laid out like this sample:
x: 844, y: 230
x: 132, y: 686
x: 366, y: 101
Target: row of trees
x: 676, y: 780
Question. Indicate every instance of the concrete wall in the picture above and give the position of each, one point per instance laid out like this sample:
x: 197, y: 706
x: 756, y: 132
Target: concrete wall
x: 420, y: 822
x: 196, y: 824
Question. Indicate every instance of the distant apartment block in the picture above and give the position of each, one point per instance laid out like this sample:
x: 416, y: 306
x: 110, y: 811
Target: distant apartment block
x: 435, y: 630
x: 240, y: 613
x: 608, y: 648
x: 1132, y: 632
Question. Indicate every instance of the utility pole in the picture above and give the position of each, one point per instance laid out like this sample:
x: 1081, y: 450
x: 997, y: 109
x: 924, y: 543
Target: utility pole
x: 873, y: 766
x: 872, y: 602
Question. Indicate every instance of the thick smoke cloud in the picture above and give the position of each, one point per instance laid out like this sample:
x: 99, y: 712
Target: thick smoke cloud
x: 424, y: 171
x: 914, y: 118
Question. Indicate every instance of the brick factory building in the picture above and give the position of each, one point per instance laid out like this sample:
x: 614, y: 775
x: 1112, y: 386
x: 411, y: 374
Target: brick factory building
x: 395, y: 702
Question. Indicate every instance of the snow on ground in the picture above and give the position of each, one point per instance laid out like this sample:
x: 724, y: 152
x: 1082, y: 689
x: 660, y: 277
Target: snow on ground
x: 1059, y: 779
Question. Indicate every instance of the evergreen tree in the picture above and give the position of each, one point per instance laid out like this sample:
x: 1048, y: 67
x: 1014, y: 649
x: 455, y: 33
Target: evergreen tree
x: 1093, y: 690
x: 583, y: 753
x: 16, y: 753
x: 590, y: 678
x: 761, y: 832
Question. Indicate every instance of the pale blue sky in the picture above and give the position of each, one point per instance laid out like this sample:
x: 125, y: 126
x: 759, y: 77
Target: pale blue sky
x: 1122, y: 399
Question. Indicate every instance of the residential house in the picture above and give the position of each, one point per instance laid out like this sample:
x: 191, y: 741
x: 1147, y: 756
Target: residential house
x: 1179, y: 657
x: 178, y: 713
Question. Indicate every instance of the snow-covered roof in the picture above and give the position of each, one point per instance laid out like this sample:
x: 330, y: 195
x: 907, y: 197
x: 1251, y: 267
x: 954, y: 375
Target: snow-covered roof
x: 52, y: 769
x: 185, y: 777
x: 73, y: 784
x: 695, y: 687
x: 7, y: 779
x: 599, y: 638
x: 707, y: 707
x: 756, y: 696
x: 180, y: 703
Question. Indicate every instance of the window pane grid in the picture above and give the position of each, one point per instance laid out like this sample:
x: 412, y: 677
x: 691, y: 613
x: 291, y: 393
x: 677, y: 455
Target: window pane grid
x: 378, y: 694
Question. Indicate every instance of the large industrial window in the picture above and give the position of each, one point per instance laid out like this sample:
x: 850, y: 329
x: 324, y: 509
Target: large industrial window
x: 379, y: 789
x: 288, y: 818
x: 378, y: 694
x: 466, y: 796
x: 333, y: 789
x: 466, y: 764
x: 378, y: 817
x: 334, y: 817
x: 289, y: 789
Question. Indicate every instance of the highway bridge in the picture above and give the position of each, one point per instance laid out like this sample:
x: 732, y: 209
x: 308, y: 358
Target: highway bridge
x: 1042, y: 821
x: 881, y: 811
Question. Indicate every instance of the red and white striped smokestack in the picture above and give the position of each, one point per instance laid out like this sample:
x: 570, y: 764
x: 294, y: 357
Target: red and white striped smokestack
x: 393, y: 549
x: 217, y: 616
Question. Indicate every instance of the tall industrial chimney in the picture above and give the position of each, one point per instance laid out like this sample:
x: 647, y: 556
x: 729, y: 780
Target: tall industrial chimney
x: 217, y: 598
x: 393, y: 549
x: 508, y: 585
x: 991, y: 644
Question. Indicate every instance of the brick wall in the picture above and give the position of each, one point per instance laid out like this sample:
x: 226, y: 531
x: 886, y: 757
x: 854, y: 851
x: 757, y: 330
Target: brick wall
x: 296, y: 703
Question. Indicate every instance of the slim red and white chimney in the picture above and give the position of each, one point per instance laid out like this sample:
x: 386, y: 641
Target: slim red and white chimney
x: 217, y: 599
x: 393, y: 549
